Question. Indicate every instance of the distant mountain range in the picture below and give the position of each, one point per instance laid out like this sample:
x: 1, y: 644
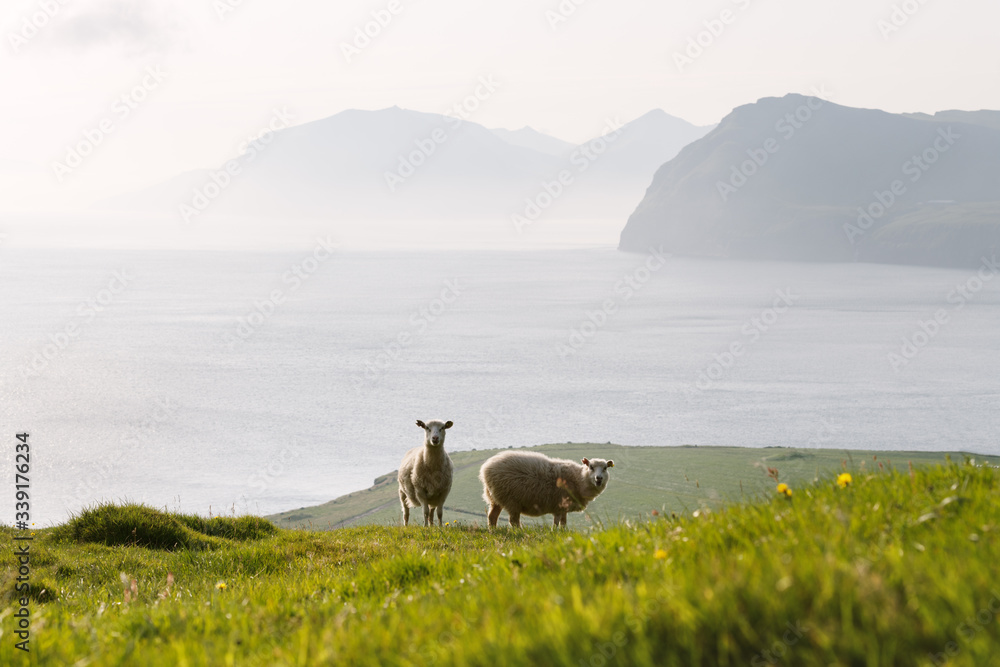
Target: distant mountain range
x: 401, y: 164
x: 528, y: 137
x: 799, y: 178
x: 795, y: 178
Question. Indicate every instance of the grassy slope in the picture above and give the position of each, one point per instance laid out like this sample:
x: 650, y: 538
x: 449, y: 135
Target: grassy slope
x: 948, y: 235
x: 889, y: 571
x: 668, y: 479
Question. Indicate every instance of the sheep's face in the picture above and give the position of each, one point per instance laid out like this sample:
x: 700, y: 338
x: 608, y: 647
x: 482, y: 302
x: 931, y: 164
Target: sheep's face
x: 434, y: 432
x: 598, y: 471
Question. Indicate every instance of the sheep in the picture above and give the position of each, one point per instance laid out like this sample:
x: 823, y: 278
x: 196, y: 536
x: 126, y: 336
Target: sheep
x: 425, y: 474
x: 533, y: 484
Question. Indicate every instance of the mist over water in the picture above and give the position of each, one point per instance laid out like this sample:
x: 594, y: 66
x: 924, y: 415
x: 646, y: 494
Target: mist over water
x: 270, y: 381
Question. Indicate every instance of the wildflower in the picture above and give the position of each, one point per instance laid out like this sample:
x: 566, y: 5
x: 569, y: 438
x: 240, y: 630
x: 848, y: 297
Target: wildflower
x: 221, y: 586
x: 844, y: 479
x: 660, y: 554
x: 131, y: 588
x: 784, y: 490
x: 166, y: 591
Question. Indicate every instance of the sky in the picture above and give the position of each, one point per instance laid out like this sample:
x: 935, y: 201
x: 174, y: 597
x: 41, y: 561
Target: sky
x: 180, y: 84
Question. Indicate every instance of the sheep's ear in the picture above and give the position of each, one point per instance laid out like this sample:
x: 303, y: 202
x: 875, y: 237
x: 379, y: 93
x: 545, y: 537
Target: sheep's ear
x: 421, y: 425
x: 611, y: 464
x: 449, y: 424
x: 586, y: 462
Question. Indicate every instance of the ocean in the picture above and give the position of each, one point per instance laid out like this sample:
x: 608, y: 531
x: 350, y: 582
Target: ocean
x: 210, y: 381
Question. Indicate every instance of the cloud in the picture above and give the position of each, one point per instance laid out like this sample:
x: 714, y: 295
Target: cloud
x: 133, y: 27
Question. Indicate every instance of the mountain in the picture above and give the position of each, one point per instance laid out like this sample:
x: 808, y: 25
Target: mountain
x: 528, y: 137
x: 387, y: 163
x: 644, y: 144
x: 800, y: 178
x: 639, y: 148
x: 983, y: 117
x: 401, y: 164
x: 612, y: 171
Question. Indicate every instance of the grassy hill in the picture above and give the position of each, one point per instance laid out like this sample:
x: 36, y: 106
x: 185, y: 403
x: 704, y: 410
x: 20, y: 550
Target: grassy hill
x: 665, y: 479
x: 949, y: 234
x: 894, y: 568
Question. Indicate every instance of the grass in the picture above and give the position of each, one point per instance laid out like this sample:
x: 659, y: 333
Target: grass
x: 140, y: 526
x: 958, y: 235
x: 896, y: 568
x: 667, y: 479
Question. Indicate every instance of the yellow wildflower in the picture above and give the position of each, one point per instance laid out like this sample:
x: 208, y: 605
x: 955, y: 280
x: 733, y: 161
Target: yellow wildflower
x: 784, y: 490
x: 660, y: 554
x: 221, y: 586
x: 844, y: 479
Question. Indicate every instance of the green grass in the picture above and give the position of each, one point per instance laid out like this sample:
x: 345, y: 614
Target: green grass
x: 667, y: 479
x: 891, y: 570
x: 136, y: 525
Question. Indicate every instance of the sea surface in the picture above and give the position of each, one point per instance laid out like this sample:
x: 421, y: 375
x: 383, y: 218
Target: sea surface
x: 207, y: 381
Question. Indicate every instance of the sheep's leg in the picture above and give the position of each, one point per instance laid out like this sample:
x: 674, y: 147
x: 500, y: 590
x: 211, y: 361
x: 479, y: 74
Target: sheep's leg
x: 558, y: 519
x: 494, y: 515
x: 406, y: 507
x: 562, y: 519
x: 440, y: 514
x: 515, y: 518
x: 428, y: 515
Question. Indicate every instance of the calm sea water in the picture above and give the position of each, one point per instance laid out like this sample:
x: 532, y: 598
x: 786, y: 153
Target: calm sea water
x: 268, y: 381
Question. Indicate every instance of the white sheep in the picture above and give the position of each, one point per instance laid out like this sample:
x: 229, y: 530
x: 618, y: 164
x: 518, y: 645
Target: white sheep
x: 425, y: 474
x: 533, y: 484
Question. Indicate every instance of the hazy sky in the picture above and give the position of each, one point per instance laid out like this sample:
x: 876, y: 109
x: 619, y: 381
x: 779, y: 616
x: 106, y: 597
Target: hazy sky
x: 223, y: 66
